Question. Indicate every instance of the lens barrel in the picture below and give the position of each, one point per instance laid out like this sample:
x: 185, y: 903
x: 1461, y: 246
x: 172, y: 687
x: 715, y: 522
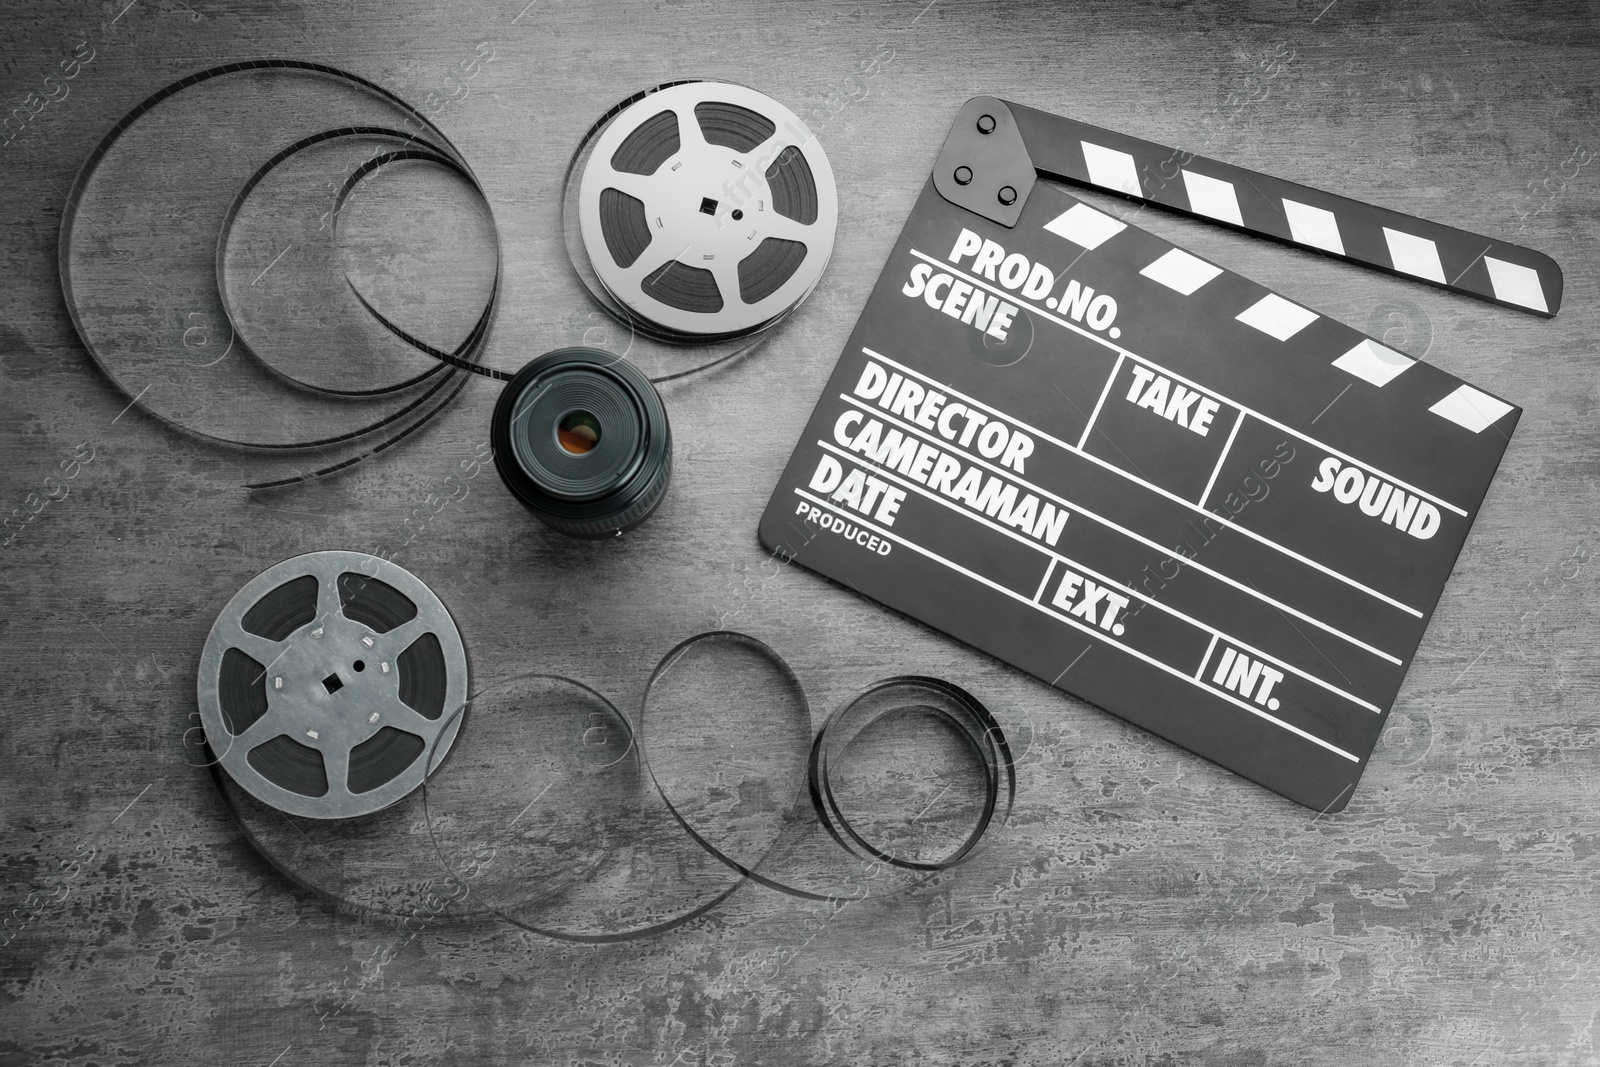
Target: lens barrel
x: 606, y: 479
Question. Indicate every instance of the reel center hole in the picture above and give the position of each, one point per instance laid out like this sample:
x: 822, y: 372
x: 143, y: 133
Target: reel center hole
x: 578, y: 432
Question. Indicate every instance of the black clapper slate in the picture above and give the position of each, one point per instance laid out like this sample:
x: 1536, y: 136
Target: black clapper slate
x: 1220, y: 516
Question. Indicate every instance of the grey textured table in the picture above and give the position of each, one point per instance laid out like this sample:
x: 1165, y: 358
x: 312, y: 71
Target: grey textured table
x: 1142, y: 906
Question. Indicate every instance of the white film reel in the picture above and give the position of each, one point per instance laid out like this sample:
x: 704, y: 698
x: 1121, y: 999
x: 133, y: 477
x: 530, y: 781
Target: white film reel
x: 708, y: 209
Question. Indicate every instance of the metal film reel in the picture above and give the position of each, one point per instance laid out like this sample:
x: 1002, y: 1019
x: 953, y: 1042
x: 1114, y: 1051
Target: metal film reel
x: 708, y: 209
x: 327, y: 679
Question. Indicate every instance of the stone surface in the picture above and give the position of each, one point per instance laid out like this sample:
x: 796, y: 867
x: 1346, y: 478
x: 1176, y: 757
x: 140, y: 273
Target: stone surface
x: 1142, y: 906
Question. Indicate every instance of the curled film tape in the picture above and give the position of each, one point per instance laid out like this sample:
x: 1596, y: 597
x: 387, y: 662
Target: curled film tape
x: 545, y: 817
x: 173, y: 253
x: 274, y: 327
x: 929, y: 840
x: 329, y: 687
x: 899, y: 784
x: 556, y: 815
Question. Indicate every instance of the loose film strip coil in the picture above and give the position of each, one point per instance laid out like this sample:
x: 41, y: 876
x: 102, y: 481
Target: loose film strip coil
x: 325, y: 682
x: 228, y: 255
x: 706, y: 210
x: 926, y: 698
x: 565, y: 817
x: 728, y: 738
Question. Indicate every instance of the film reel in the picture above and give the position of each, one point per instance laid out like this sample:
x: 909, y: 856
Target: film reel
x: 325, y: 681
x: 704, y: 212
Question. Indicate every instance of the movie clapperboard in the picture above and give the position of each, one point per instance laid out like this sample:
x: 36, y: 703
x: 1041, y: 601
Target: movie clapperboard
x: 1138, y: 476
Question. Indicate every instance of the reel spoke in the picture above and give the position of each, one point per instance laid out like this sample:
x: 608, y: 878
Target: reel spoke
x: 637, y: 186
x: 397, y: 640
x: 691, y: 138
x: 788, y: 229
x: 336, y: 762
x: 261, y: 731
x: 263, y: 650
x: 328, y: 602
x: 765, y: 150
x: 402, y: 717
x: 726, y: 271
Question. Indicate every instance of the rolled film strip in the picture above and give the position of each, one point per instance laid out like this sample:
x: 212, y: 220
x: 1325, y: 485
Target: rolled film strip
x: 604, y: 832
x: 172, y: 254
x: 707, y: 210
x: 325, y: 679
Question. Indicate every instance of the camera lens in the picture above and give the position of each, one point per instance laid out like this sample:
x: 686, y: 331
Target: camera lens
x: 581, y: 438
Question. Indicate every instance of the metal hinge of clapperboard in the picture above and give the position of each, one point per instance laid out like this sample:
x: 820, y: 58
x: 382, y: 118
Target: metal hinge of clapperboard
x: 996, y: 150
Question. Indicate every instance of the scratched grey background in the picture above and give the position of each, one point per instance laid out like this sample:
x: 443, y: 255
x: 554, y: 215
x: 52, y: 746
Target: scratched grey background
x: 1143, y: 906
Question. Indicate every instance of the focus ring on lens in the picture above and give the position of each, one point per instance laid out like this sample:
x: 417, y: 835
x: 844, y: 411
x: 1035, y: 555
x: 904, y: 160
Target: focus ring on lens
x: 611, y: 486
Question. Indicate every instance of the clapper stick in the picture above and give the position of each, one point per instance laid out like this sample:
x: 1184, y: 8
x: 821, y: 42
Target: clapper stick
x: 1022, y: 139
